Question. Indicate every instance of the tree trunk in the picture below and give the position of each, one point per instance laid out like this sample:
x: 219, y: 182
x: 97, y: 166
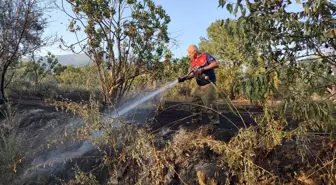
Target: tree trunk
x: 334, y: 73
x: 332, y: 89
x: 2, y: 85
x: 36, y: 78
x: 232, y: 93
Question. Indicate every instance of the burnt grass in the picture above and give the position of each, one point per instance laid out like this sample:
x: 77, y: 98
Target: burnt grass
x: 283, y: 161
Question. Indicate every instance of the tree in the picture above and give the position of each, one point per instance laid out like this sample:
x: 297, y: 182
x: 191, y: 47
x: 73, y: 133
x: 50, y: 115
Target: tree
x: 225, y: 46
x: 39, y: 69
x: 183, y: 65
x: 22, y: 24
x: 281, y: 37
x: 230, y: 50
x: 127, y: 36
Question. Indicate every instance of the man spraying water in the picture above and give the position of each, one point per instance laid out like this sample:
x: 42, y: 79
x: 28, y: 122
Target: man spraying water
x: 201, y: 68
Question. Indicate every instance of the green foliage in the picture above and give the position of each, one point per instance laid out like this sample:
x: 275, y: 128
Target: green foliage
x: 80, y: 76
x: 271, y: 23
x: 316, y: 115
x: 39, y: 69
x: 72, y: 75
x: 183, y: 65
x: 230, y: 51
x: 227, y: 80
x: 311, y: 76
x: 279, y: 36
x: 74, y: 82
x: 171, y: 68
x: 227, y: 47
x: 257, y: 87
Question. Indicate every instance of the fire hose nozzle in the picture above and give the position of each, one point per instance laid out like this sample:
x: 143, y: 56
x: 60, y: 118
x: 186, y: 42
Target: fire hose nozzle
x: 182, y: 78
x: 185, y: 77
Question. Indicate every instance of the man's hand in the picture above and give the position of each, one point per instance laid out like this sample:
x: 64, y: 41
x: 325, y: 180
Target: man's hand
x: 197, y: 69
x: 200, y: 71
x: 181, y: 79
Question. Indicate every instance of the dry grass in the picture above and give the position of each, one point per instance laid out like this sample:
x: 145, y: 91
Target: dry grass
x: 11, y: 153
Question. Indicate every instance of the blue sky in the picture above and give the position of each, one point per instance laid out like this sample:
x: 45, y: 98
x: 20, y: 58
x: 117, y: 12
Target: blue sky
x: 189, y: 21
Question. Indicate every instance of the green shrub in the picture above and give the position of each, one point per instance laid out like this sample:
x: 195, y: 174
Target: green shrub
x: 83, y: 76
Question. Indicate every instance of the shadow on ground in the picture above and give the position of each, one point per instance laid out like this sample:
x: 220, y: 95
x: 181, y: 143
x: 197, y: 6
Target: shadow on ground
x: 173, y: 116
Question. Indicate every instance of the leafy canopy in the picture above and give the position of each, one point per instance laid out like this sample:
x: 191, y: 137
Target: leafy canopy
x: 281, y: 36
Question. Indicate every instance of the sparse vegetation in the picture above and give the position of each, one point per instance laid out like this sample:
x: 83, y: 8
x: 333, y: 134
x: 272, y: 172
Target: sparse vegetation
x: 11, y: 154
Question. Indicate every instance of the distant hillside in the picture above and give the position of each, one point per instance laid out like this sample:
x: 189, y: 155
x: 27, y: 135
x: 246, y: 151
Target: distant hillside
x: 77, y: 60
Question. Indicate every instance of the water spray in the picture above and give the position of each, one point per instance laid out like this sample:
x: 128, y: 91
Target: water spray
x: 128, y: 108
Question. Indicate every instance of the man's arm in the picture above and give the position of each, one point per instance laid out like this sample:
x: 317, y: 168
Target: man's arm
x: 212, y: 62
x: 212, y: 65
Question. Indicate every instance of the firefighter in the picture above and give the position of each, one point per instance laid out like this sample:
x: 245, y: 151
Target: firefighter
x: 201, y: 68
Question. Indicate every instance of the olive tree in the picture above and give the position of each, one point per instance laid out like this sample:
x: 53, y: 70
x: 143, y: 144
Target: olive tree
x: 230, y: 49
x: 128, y: 37
x: 282, y: 38
x: 39, y: 68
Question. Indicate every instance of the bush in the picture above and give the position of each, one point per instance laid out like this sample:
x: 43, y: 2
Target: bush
x: 11, y: 152
x: 85, y: 76
x: 10, y: 156
x: 226, y: 80
x: 181, y: 91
